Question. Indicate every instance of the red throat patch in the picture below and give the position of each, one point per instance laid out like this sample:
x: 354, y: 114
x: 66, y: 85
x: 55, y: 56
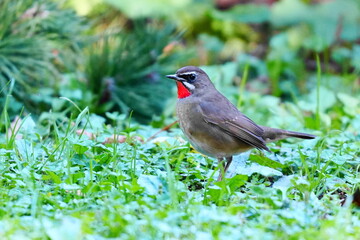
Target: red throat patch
x: 183, y: 92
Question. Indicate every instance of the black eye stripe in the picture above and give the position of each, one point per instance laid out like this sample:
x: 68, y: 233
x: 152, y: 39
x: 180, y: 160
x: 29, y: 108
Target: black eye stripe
x: 188, y: 76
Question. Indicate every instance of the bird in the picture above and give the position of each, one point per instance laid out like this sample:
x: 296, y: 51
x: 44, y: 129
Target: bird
x: 213, y: 125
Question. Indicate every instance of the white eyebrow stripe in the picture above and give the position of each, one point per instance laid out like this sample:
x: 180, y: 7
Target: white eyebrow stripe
x: 188, y: 73
x: 189, y: 85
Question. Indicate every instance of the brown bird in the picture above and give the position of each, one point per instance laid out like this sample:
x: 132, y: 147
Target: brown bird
x: 213, y: 125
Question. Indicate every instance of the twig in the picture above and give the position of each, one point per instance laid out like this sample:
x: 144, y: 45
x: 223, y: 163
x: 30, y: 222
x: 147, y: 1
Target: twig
x: 161, y: 130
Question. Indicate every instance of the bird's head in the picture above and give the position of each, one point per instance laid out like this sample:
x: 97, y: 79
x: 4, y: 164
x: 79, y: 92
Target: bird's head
x: 190, y: 80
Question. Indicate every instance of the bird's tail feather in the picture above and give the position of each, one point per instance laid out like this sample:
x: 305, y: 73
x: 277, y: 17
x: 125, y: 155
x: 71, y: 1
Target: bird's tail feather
x: 299, y: 135
x: 274, y: 134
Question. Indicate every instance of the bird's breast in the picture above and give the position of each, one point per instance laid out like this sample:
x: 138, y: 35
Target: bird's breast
x: 205, y: 137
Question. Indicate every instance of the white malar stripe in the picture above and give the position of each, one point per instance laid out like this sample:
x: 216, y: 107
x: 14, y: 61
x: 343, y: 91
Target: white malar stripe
x: 189, y: 85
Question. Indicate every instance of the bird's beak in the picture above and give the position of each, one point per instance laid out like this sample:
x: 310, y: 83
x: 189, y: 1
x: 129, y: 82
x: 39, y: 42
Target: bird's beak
x: 175, y: 77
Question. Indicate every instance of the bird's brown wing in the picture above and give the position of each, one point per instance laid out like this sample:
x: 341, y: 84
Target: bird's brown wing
x: 228, y: 118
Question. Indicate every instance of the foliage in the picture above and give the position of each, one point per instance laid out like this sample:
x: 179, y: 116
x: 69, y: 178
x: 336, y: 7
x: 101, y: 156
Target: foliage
x: 69, y: 173
x: 126, y: 69
x: 63, y: 179
x: 284, y: 37
x: 36, y: 39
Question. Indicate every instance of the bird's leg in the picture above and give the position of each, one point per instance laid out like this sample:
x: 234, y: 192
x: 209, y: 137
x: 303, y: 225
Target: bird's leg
x: 228, y: 163
x: 222, y: 166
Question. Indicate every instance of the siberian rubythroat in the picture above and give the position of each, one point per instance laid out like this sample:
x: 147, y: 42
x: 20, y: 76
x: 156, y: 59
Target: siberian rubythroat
x: 213, y: 125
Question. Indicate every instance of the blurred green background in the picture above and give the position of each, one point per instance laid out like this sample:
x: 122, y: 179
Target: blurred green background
x: 112, y: 55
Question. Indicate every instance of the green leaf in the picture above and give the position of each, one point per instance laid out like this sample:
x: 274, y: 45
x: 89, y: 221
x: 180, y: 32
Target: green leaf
x: 67, y: 228
x: 265, y: 161
x: 236, y: 182
x: 244, y: 13
x: 152, y: 184
x: 80, y: 148
x: 149, y: 8
x: 351, y: 104
x: 328, y: 99
x: 242, y: 167
x: 288, y: 12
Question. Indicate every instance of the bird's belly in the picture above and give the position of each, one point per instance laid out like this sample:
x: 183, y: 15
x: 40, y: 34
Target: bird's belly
x: 217, y: 145
x: 205, y: 137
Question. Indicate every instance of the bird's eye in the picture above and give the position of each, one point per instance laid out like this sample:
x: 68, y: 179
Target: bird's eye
x: 192, y: 77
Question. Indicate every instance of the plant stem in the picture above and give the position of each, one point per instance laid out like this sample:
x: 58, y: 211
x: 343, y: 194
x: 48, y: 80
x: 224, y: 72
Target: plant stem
x: 318, y: 83
x: 242, y: 84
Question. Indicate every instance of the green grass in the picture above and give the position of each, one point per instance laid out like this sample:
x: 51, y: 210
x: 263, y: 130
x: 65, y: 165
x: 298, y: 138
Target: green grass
x: 58, y: 183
